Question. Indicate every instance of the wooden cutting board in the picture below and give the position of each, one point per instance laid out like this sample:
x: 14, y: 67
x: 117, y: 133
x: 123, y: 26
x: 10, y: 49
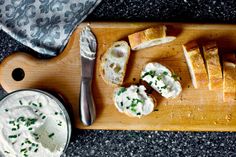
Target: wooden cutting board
x: 194, y: 109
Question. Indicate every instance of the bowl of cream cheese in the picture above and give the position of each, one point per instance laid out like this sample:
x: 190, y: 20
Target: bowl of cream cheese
x: 33, y: 123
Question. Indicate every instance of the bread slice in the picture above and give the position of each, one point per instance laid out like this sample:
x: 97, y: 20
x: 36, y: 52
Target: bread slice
x: 150, y: 37
x: 114, y: 62
x: 134, y: 101
x: 195, y: 64
x: 213, y: 66
x: 161, y: 79
x: 229, y: 82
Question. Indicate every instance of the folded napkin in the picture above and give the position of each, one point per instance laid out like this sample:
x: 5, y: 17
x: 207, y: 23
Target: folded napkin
x: 43, y: 25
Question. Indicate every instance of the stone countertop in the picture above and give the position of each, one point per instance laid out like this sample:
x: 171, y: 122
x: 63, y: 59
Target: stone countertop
x: 149, y: 143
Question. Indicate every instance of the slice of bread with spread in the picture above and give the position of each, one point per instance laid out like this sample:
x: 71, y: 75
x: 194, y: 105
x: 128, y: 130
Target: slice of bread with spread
x: 213, y: 66
x: 161, y: 79
x: 150, y: 37
x: 134, y: 101
x: 195, y: 64
x: 229, y: 82
x: 114, y: 63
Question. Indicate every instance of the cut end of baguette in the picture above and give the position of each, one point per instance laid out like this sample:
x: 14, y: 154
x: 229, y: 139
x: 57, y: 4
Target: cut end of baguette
x: 149, y: 37
x: 133, y: 101
x: 213, y: 66
x: 229, y: 82
x: 195, y: 64
x: 114, y: 63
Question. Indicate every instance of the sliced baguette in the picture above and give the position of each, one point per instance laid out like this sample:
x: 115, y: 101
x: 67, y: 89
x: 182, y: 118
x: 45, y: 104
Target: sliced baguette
x: 161, y: 79
x: 150, y: 37
x: 195, y: 64
x: 114, y: 63
x: 229, y: 82
x: 213, y: 66
x: 134, y: 101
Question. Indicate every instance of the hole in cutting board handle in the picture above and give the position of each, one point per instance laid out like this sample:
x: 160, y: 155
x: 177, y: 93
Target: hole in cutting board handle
x: 18, y: 74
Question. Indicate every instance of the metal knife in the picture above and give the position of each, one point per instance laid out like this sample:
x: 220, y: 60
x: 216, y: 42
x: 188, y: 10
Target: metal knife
x: 88, y: 48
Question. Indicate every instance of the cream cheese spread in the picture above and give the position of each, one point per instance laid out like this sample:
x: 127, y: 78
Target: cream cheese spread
x: 133, y: 101
x: 162, y: 80
x: 31, y: 124
x: 88, y: 44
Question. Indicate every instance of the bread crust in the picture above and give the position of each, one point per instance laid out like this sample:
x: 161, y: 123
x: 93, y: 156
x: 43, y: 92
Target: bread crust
x: 153, y: 33
x: 213, y: 66
x: 229, y: 82
x: 196, y: 64
x: 103, y: 62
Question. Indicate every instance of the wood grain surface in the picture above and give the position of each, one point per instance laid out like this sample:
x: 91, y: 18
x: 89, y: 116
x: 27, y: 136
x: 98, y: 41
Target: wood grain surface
x: 194, y: 109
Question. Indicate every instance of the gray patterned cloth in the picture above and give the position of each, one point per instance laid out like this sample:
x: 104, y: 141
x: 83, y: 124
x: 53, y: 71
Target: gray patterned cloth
x: 43, y: 25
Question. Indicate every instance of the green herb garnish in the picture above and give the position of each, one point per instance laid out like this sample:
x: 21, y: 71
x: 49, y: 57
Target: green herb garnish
x: 151, y: 73
x: 150, y: 83
x: 13, y: 129
x: 122, y: 90
x: 128, y: 98
x: 164, y: 87
x: 20, y: 102
x: 43, y: 117
x: 165, y: 73
x: 12, y: 136
x: 6, y: 152
x: 6, y: 110
x: 175, y: 77
x: 56, y: 113
x: 40, y: 104
x: 34, y: 104
x: 50, y: 135
x: 121, y: 104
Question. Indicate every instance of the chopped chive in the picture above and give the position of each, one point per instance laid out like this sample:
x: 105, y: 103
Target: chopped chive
x: 6, y: 152
x: 6, y: 110
x: 23, y: 150
x: 150, y: 83
x: 164, y: 87
x: 43, y: 117
x: 128, y: 98
x: 13, y: 129
x: 22, y: 143
x: 12, y: 136
x: 52, y: 134
x: 36, y: 150
x: 121, y: 104
x: 40, y: 114
x: 40, y: 104
x: 11, y: 122
x: 61, y: 113
x: 122, y: 90
x: 30, y: 128
x: 20, y: 102
x: 138, y: 113
x: 30, y: 148
x: 18, y: 126
x: 133, y: 109
x: 151, y: 73
x: 56, y: 113
x: 127, y: 107
x: 159, y: 77
x: 34, y: 104
x: 35, y: 134
x: 165, y: 73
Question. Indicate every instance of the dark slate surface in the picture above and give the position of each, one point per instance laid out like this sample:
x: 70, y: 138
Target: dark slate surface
x: 149, y: 143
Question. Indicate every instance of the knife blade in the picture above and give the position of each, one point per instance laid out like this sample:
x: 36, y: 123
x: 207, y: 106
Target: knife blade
x: 88, y: 47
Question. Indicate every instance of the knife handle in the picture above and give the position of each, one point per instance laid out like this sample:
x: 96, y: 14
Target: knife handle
x: 87, y: 107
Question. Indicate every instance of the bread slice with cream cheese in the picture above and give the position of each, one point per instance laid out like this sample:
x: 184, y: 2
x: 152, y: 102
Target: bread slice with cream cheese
x: 150, y: 37
x: 114, y: 62
x: 161, y: 79
x: 133, y: 101
x: 195, y: 64
x: 213, y: 66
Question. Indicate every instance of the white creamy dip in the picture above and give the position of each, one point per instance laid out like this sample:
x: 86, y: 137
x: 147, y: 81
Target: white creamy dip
x: 32, y: 124
x: 134, y: 101
x: 88, y: 44
x: 162, y: 80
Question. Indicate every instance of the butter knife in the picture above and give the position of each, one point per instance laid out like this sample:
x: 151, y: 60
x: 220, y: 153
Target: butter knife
x: 88, y: 47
